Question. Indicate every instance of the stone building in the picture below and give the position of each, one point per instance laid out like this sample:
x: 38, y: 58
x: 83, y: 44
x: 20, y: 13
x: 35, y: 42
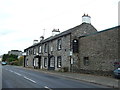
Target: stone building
x: 54, y: 52
x: 98, y: 51
x: 81, y: 48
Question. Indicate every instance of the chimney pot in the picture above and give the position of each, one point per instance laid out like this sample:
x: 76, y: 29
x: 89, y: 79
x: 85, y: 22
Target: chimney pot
x: 55, y: 32
x: 35, y: 41
x: 86, y: 19
x: 41, y: 38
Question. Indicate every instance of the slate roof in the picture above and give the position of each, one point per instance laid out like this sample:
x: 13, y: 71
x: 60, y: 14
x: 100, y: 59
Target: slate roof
x: 100, y: 31
x: 69, y: 31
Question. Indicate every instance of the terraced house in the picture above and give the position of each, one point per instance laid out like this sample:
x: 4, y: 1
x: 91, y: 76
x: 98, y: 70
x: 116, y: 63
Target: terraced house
x: 79, y: 49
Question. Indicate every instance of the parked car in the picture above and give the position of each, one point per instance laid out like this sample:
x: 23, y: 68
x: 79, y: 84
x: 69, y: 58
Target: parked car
x: 117, y: 72
x: 4, y: 63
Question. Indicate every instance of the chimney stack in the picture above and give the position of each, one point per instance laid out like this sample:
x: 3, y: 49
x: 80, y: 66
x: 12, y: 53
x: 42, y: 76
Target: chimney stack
x: 35, y: 41
x: 41, y: 38
x: 86, y: 19
x: 55, y: 32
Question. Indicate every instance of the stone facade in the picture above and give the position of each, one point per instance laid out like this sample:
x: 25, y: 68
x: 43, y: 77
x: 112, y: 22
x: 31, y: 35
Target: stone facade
x: 95, y: 51
x: 98, y: 51
x: 57, y: 47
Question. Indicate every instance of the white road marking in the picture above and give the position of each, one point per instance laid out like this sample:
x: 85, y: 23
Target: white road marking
x: 10, y: 70
x: 47, y: 87
x: 29, y: 79
x: 13, y: 72
x: 23, y: 76
x: 17, y: 73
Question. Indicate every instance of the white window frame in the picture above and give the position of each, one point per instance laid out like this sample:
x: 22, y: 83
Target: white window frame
x: 59, y: 44
x: 51, y: 49
x: 40, y: 49
x: 45, y: 62
x: 45, y: 48
x: 52, y: 62
x: 59, y: 61
x: 34, y: 51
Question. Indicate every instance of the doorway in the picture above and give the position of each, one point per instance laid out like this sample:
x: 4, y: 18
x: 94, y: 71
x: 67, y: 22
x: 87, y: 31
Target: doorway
x: 51, y: 63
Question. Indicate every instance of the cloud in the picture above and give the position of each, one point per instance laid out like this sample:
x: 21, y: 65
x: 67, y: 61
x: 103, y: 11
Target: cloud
x: 22, y: 21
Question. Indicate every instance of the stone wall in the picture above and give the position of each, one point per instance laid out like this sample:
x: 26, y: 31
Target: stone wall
x: 66, y: 47
x: 83, y: 29
x: 97, y: 50
x: 64, y: 52
x: 101, y: 49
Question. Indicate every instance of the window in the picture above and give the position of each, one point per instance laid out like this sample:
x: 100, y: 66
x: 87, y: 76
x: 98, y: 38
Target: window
x: 34, y: 51
x: 31, y: 51
x: 86, y: 61
x: 75, y: 46
x: 45, y: 62
x: 52, y: 62
x: 59, y: 61
x: 28, y: 52
x: 59, y: 44
x: 45, y: 48
x: 40, y: 49
x: 33, y: 62
x: 51, y: 49
x: 26, y: 62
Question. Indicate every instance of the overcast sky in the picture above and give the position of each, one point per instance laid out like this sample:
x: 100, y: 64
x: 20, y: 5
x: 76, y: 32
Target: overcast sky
x: 22, y: 21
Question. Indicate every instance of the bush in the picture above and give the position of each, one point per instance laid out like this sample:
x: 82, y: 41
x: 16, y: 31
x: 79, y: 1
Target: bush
x: 20, y: 61
x: 9, y: 58
x: 14, y: 63
x: 64, y: 69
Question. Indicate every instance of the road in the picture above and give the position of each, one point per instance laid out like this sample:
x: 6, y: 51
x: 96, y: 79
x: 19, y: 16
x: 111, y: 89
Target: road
x: 17, y: 77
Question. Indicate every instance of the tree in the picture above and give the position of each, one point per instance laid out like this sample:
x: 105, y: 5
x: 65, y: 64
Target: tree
x: 13, y: 59
x: 9, y: 58
x: 5, y: 57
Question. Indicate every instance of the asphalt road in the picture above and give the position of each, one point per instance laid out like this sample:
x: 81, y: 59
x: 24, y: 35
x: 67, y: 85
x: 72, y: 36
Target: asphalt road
x: 17, y: 77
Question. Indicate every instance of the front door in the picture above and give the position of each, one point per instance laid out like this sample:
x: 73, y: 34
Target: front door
x: 39, y: 62
x: 51, y: 63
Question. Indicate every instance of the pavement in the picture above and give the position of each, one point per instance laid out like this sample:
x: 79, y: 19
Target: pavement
x: 101, y: 80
